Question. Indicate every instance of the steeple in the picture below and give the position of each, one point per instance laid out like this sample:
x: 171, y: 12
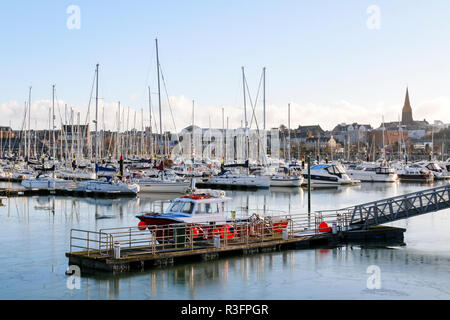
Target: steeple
x: 407, y: 110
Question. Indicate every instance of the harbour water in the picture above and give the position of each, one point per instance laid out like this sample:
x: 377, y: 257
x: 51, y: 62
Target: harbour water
x: 34, y: 233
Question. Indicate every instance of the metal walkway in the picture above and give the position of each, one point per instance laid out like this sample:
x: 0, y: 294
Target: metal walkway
x: 392, y: 209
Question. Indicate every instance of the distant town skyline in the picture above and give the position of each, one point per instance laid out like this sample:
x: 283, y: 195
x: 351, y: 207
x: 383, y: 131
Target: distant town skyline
x: 333, y: 62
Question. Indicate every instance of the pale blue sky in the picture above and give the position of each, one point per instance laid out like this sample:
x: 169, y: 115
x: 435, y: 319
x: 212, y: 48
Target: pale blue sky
x: 315, y: 52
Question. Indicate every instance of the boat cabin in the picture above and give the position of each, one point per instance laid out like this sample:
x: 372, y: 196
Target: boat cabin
x: 332, y: 169
x: 196, y: 205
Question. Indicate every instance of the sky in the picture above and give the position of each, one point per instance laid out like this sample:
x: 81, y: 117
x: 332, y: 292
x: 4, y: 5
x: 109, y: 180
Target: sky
x: 332, y: 61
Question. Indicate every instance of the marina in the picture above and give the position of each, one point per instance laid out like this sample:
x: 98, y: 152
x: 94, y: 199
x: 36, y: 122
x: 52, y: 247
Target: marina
x: 25, y: 217
x: 214, y: 151
x: 168, y: 241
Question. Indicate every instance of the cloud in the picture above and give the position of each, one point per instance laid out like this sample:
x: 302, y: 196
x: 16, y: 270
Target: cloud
x: 178, y: 114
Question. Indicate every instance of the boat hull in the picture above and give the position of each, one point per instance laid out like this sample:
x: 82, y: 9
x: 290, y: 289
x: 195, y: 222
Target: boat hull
x: 274, y: 182
x: 415, y: 178
x: 45, y: 184
x: 170, y: 187
x: 370, y: 177
x: 240, y: 182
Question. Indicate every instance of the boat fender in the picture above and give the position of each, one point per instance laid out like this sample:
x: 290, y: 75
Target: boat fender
x: 324, y: 227
x: 142, y: 225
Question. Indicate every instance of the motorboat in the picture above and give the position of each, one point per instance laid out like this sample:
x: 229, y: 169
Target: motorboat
x: 373, y: 172
x: 203, y: 212
x: 438, y: 172
x: 285, y: 178
x: 415, y: 174
x: 227, y: 178
x: 108, y: 186
x: 203, y: 206
x: 165, y: 183
x: 328, y: 175
x: 46, y: 182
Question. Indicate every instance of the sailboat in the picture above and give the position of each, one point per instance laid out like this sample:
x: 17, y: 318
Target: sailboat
x: 43, y: 180
x: 285, y: 177
x: 240, y: 178
x: 105, y: 185
x: 165, y: 183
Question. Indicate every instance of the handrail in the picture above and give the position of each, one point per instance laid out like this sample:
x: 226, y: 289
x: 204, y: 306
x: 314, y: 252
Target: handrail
x: 103, y: 242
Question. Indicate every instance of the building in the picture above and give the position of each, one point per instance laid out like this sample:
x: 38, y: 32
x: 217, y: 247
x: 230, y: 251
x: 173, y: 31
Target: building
x: 407, y: 123
x: 6, y: 133
x: 408, y: 128
x: 351, y: 133
x: 391, y: 137
x: 407, y: 118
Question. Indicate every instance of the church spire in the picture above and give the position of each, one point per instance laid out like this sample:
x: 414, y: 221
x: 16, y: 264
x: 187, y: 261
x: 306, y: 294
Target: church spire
x: 407, y: 110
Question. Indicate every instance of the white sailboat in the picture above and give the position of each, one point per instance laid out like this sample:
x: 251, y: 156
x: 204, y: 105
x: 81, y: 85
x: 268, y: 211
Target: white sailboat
x: 105, y: 185
x: 46, y: 181
x: 165, y: 183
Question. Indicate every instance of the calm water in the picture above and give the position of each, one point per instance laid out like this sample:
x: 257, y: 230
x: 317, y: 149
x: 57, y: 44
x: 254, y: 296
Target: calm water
x: 34, y: 234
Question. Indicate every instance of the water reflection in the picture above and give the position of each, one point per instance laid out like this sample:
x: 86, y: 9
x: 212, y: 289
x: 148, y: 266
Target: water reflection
x: 35, y: 235
x: 344, y: 268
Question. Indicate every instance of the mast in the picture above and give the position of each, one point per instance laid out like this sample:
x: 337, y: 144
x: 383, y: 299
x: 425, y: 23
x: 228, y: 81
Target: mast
x: 119, y: 135
x: 66, y: 147
x: 192, y: 134
x: 289, y: 133
x: 384, y: 151
x: 78, y: 137
x: 133, y: 137
x: 128, y: 133
x: 245, y: 117
x: 142, y: 133
x: 159, y: 94
x: 432, y: 143
x: 72, y: 133
x: 29, y: 124
x: 23, y: 132
x: 150, y: 128
x: 53, y: 124
x: 102, y: 145
x: 96, y: 119
x: 264, y: 97
x: 223, y: 135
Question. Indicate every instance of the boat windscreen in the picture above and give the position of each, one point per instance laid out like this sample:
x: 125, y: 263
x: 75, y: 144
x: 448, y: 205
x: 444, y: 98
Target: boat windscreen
x: 188, y: 207
x: 208, y: 208
x: 339, y: 169
x: 175, y: 206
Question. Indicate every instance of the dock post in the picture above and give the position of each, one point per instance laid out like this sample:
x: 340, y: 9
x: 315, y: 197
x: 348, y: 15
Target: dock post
x: 116, y: 250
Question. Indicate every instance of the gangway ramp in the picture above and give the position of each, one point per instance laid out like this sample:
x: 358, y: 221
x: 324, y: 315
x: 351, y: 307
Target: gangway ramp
x: 364, y: 216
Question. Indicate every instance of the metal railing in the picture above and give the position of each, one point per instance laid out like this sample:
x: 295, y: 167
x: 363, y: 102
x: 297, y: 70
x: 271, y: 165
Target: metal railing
x: 156, y: 239
x: 90, y: 241
x: 391, y: 209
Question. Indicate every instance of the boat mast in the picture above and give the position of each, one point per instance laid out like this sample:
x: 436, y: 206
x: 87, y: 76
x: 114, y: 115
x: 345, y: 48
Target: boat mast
x: 223, y: 135
x: 159, y: 96
x: 96, y: 120
x: 245, y: 119
x: 29, y: 125
x: 264, y: 97
x: 150, y: 128
x: 23, y: 132
x: 53, y: 124
x: 142, y: 133
x: 289, y: 133
x: 384, y: 152
x: 192, y: 135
